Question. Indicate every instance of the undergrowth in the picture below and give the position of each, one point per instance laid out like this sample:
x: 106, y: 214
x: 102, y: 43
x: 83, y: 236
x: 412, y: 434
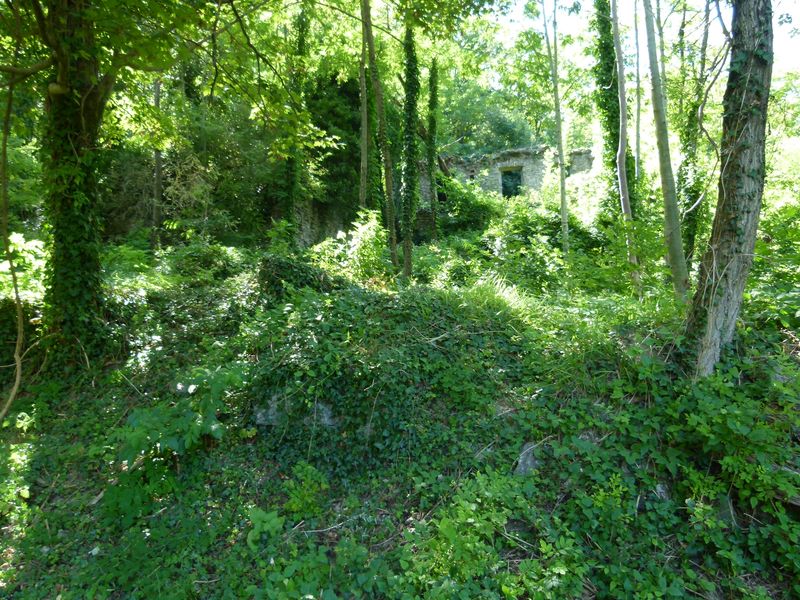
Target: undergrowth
x: 279, y: 424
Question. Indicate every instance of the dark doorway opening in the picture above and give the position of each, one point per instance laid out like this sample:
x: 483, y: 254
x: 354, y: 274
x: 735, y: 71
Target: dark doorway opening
x: 511, y: 181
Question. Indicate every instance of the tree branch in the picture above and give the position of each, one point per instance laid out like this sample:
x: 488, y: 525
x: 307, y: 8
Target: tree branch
x: 359, y: 19
x: 31, y: 70
x: 293, y: 101
x: 41, y: 22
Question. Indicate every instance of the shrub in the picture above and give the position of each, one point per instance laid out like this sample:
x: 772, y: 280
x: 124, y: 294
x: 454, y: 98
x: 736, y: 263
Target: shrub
x: 467, y: 207
x: 359, y: 253
x: 520, y: 250
x: 278, y: 275
x: 201, y: 260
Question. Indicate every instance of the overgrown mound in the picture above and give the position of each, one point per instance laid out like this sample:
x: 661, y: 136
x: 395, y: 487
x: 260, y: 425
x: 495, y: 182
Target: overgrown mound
x: 279, y: 274
x: 381, y: 377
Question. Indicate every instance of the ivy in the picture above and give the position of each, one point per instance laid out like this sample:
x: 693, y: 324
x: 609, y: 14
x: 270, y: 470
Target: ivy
x: 606, y: 97
x: 410, y: 191
x: 430, y: 148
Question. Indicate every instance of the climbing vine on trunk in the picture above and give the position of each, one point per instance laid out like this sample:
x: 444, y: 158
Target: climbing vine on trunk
x: 410, y: 190
x: 430, y: 148
x: 75, y: 104
x: 606, y: 97
x: 726, y: 264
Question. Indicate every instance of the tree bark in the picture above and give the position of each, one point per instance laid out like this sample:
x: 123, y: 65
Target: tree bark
x: 607, y: 102
x: 672, y: 225
x: 410, y: 155
x: 691, y: 178
x: 383, y: 139
x: 296, y: 159
x: 726, y: 264
x: 552, y: 53
x: 662, y: 55
x: 638, y: 151
x: 622, y: 174
x: 19, y: 312
x: 362, y: 88
x: 431, y: 154
x: 158, y: 176
x: 75, y: 105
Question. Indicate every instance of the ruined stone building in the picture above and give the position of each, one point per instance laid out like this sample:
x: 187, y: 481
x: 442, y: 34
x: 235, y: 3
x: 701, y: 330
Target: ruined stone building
x: 510, y: 172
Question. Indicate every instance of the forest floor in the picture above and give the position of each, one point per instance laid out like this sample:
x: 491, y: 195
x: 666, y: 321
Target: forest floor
x: 271, y: 430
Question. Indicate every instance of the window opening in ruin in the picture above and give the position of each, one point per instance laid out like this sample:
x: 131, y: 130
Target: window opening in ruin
x: 512, y: 181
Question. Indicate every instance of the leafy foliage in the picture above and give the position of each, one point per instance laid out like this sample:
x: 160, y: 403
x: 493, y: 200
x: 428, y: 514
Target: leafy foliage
x: 275, y: 416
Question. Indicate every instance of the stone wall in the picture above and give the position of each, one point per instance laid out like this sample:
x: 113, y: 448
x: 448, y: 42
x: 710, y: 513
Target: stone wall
x: 487, y: 170
x: 317, y: 221
x: 580, y: 161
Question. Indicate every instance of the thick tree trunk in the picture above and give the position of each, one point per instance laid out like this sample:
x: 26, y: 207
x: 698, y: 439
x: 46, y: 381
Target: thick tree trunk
x: 552, y: 53
x: 383, y: 138
x: 75, y: 105
x: 622, y: 174
x: 726, y: 263
x: 672, y: 224
x: 362, y: 87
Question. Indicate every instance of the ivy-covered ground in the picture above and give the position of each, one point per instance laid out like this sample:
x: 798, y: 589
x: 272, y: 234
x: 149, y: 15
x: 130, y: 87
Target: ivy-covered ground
x: 274, y: 424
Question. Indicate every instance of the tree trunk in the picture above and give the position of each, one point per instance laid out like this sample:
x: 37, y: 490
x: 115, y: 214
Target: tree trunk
x: 681, y: 59
x: 362, y: 88
x: 662, y: 55
x: 552, y: 53
x: 607, y: 102
x: 410, y: 158
x: 19, y: 312
x: 158, y: 176
x: 296, y: 160
x: 431, y: 155
x: 691, y: 178
x: 638, y: 151
x: 726, y: 263
x: 672, y: 225
x: 622, y: 174
x: 383, y: 138
x: 75, y: 104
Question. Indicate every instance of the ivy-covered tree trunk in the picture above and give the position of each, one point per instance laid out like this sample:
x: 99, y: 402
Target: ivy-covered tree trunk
x: 364, y: 110
x: 75, y: 103
x: 158, y: 177
x: 726, y: 264
x: 430, y: 150
x: 606, y: 98
x: 294, y: 164
x: 383, y: 136
x: 410, y: 155
x: 672, y: 223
